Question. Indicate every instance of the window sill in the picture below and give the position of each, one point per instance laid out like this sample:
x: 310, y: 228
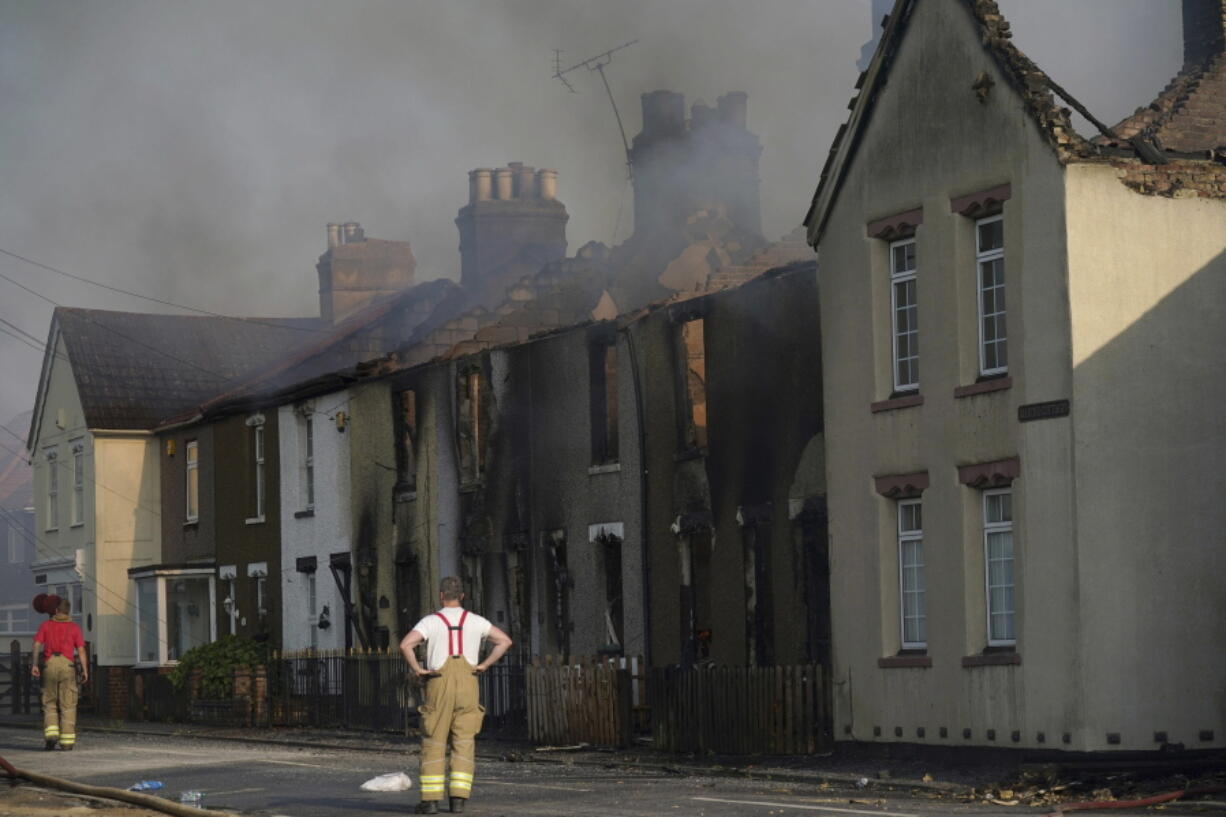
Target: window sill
x: 987, y: 386
x: 306, y: 514
x: 191, y: 523
x: 77, y: 525
x: 51, y: 530
x: 255, y: 520
x: 905, y: 662
x: 470, y: 487
x: 605, y: 468
x: 992, y: 659
x: 405, y: 496
x: 896, y: 403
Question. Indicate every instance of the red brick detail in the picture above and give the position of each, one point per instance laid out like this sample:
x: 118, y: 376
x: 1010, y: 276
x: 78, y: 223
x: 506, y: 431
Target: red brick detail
x: 894, y: 227
x: 905, y: 662
x: 992, y: 659
x: 902, y: 486
x: 996, y: 474
x: 117, y: 679
x: 896, y: 403
x: 983, y: 202
x: 984, y: 387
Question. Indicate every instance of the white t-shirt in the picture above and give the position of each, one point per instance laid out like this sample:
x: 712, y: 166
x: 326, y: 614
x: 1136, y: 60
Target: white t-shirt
x: 440, y: 641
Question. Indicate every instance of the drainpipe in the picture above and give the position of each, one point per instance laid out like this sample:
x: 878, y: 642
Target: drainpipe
x: 642, y: 435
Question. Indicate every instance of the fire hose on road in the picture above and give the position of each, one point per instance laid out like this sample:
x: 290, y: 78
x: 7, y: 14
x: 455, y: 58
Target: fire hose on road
x: 107, y: 793
x: 1142, y: 803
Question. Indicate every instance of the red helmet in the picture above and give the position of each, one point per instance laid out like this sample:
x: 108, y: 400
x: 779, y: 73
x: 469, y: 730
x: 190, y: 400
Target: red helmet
x: 40, y: 603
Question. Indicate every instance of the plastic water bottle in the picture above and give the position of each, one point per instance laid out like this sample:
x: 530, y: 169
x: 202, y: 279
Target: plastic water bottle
x: 192, y: 798
x: 146, y: 785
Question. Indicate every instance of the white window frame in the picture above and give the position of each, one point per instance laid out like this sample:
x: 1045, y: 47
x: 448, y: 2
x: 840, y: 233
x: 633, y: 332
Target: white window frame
x: 259, y: 572
x: 53, y: 488
x: 7, y: 625
x: 191, y: 460
x: 15, y: 549
x: 77, y: 517
x: 902, y: 277
x: 982, y: 257
x: 259, y: 452
x: 159, y: 577
x: 911, y: 536
x: 990, y: 528
x: 308, y: 462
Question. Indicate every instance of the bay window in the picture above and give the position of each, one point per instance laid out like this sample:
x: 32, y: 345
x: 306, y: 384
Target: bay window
x: 175, y: 612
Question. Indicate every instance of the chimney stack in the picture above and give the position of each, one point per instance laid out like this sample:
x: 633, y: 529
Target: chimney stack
x: 1204, y: 30
x: 509, y: 234
x: 355, y: 271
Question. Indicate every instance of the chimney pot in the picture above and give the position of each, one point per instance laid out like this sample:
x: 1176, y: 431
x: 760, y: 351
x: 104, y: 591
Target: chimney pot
x: 733, y: 108
x: 663, y: 113
x: 479, y: 184
x: 334, y: 235
x: 525, y: 181
x: 547, y: 184
x: 502, y: 183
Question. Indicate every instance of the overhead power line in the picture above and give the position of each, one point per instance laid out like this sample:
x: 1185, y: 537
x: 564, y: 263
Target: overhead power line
x: 152, y: 299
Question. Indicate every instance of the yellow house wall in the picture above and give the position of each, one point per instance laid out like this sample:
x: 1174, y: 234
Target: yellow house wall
x: 931, y: 139
x: 1147, y: 289
x: 128, y: 535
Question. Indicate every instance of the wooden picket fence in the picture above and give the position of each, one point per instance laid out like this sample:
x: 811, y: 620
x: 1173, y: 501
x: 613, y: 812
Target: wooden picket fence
x: 581, y: 700
x: 741, y: 710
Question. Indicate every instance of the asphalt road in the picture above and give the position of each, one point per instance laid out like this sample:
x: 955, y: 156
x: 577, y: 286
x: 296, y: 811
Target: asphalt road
x: 264, y: 781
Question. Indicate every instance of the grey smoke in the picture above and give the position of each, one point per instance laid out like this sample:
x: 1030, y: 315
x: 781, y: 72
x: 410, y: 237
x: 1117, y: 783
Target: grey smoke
x: 195, y: 151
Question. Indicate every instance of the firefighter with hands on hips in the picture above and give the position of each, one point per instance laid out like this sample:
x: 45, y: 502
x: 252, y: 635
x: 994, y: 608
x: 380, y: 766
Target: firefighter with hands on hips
x: 452, y: 710
x: 62, y: 646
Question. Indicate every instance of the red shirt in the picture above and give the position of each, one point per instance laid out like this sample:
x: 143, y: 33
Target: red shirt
x: 59, y: 636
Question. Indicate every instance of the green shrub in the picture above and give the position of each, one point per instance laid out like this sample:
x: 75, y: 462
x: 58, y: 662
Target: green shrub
x: 216, y: 662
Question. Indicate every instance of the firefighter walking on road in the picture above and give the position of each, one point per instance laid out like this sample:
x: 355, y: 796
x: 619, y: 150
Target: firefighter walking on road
x: 452, y: 710
x: 62, y: 645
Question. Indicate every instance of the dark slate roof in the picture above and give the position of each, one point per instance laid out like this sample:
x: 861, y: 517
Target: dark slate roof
x: 368, y: 334
x: 134, y: 369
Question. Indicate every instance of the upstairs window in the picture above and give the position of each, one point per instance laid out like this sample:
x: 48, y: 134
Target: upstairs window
x: 692, y: 357
x: 258, y: 495
x: 308, y: 460
x: 192, y: 465
x: 990, y: 263
x: 53, y: 489
x: 470, y: 430
x: 407, y: 450
x: 904, y: 315
x: 602, y: 377
x: 78, y: 482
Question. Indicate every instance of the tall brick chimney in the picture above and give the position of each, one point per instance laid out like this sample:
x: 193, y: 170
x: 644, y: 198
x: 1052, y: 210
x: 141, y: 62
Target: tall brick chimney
x: 355, y: 270
x: 1204, y: 30
x: 512, y: 225
x: 681, y: 167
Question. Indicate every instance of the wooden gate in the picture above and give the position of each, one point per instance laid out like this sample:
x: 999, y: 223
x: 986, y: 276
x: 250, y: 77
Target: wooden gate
x: 580, y: 700
x: 17, y: 688
x: 741, y: 710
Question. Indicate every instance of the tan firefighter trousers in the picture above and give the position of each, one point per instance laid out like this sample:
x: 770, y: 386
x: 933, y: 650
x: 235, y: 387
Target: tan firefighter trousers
x: 60, y: 700
x: 452, y: 710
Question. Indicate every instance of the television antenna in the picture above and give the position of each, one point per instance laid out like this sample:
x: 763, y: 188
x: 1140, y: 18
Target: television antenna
x: 597, y: 64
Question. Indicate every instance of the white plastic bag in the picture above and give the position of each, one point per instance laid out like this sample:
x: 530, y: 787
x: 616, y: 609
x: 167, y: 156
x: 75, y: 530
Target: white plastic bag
x: 392, y: 781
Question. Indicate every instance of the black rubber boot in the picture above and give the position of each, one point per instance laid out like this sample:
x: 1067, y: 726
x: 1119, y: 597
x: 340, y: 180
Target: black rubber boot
x: 426, y: 807
x: 49, y: 744
x: 457, y: 805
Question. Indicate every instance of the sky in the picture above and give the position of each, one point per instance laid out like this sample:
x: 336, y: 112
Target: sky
x: 194, y: 151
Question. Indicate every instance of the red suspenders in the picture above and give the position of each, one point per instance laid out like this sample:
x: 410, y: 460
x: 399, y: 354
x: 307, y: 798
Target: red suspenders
x: 458, y: 638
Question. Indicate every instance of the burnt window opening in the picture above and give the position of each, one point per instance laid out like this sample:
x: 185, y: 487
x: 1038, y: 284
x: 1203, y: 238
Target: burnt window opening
x: 755, y: 539
x: 692, y: 371
x: 602, y: 369
x: 470, y: 426
x: 609, y: 548
x: 406, y: 449
x: 559, y: 586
